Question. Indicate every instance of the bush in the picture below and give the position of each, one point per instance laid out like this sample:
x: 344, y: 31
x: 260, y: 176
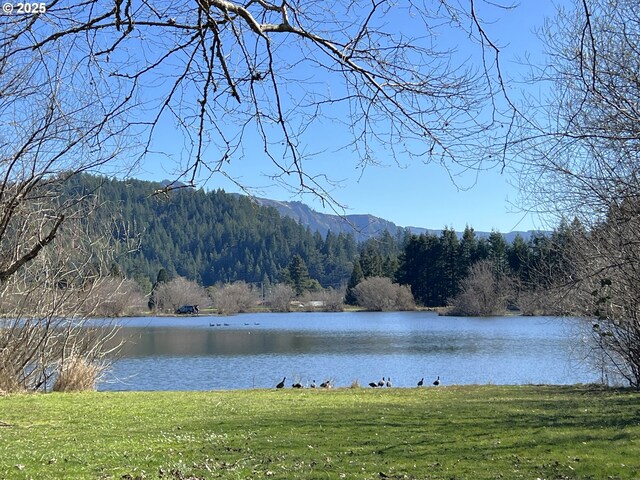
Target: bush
x: 482, y: 294
x: 380, y: 294
x: 114, y: 297
x: 177, y: 292
x: 280, y: 297
x: 77, y: 375
x: 325, y: 300
x: 233, y: 298
x: 8, y: 382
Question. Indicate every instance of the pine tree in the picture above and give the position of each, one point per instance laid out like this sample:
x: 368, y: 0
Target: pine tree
x: 298, y: 275
x: 356, y: 277
x: 163, y: 277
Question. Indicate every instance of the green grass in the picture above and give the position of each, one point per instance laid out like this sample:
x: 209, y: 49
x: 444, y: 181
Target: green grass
x: 485, y: 432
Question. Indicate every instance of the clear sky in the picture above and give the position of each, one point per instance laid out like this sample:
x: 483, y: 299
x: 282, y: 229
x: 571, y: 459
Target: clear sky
x: 413, y: 194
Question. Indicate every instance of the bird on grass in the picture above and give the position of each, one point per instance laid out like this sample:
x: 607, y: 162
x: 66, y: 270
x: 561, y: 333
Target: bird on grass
x: 381, y: 382
x: 436, y: 382
x: 388, y: 382
x: 326, y: 384
x: 373, y: 385
x: 281, y: 384
x: 421, y: 382
x: 313, y: 384
x: 296, y: 385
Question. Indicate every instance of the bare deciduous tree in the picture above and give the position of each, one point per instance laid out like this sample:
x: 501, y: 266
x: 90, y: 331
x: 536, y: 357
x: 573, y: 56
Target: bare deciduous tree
x: 327, y: 300
x: 233, y: 298
x: 115, y: 297
x: 43, y: 327
x: 180, y: 291
x: 482, y: 293
x: 279, y: 298
x: 582, y: 161
x: 419, y: 79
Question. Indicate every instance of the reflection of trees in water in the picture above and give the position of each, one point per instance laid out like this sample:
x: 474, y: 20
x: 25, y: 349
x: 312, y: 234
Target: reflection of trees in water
x: 140, y: 342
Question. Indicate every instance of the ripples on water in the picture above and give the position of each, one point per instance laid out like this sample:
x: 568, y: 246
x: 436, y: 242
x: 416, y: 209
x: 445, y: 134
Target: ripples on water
x: 257, y: 350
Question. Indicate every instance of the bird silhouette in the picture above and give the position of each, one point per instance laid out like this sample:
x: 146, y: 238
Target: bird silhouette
x: 421, y: 382
x: 436, y: 382
x: 281, y: 384
x: 373, y: 385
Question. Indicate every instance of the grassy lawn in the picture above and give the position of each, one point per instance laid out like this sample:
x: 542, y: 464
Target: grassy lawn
x: 433, y: 433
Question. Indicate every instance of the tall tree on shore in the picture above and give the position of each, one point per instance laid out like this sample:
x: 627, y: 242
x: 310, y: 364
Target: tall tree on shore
x: 356, y: 277
x: 298, y: 275
x: 581, y: 159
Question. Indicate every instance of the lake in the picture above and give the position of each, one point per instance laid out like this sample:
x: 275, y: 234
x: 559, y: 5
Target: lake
x: 258, y: 350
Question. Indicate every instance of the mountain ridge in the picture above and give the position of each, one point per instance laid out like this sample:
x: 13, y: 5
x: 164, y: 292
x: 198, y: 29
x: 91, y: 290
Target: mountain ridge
x: 363, y: 226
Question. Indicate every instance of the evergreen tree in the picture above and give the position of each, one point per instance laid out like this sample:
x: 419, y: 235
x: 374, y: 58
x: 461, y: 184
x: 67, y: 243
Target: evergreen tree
x: 163, y: 277
x: 519, y: 257
x: 498, y: 253
x: 298, y: 275
x: 390, y: 266
x: 371, y: 261
x: 417, y: 268
x: 448, y: 284
x: 356, y: 277
x: 467, y: 251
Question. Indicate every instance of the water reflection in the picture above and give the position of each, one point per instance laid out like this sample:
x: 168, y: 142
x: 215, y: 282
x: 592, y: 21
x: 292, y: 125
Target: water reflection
x: 256, y: 351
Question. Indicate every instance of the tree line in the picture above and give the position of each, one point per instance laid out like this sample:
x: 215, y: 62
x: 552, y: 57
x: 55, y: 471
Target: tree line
x: 438, y: 267
x: 218, y: 238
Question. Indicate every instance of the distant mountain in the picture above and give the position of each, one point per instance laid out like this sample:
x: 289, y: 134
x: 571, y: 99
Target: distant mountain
x: 362, y: 226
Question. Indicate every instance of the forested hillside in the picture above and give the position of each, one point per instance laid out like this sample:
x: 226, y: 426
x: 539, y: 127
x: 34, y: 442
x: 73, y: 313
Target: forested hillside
x: 209, y: 237
x: 215, y: 237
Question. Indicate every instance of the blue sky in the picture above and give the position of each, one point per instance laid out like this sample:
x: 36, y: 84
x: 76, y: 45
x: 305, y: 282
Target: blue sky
x: 411, y: 193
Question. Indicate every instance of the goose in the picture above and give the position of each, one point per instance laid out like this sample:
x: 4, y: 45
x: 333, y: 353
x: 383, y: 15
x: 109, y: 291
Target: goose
x: 296, y: 385
x: 373, y: 385
x: 326, y: 384
x: 421, y: 382
x: 388, y: 382
x: 436, y: 382
x: 313, y: 384
x: 281, y: 384
x: 381, y: 382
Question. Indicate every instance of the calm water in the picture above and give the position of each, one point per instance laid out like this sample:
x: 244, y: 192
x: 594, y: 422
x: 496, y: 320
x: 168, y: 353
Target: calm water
x: 257, y: 350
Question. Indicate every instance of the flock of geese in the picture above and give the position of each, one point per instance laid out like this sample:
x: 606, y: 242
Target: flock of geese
x: 328, y: 384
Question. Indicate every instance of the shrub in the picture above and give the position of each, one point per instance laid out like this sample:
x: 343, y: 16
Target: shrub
x: 325, y: 300
x: 482, y: 294
x: 180, y: 291
x: 77, y: 375
x: 233, y: 298
x: 8, y: 382
x: 380, y: 294
x: 280, y: 297
x: 114, y: 297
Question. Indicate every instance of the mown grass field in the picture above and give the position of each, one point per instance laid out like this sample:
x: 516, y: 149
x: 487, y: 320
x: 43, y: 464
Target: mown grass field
x: 484, y: 432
